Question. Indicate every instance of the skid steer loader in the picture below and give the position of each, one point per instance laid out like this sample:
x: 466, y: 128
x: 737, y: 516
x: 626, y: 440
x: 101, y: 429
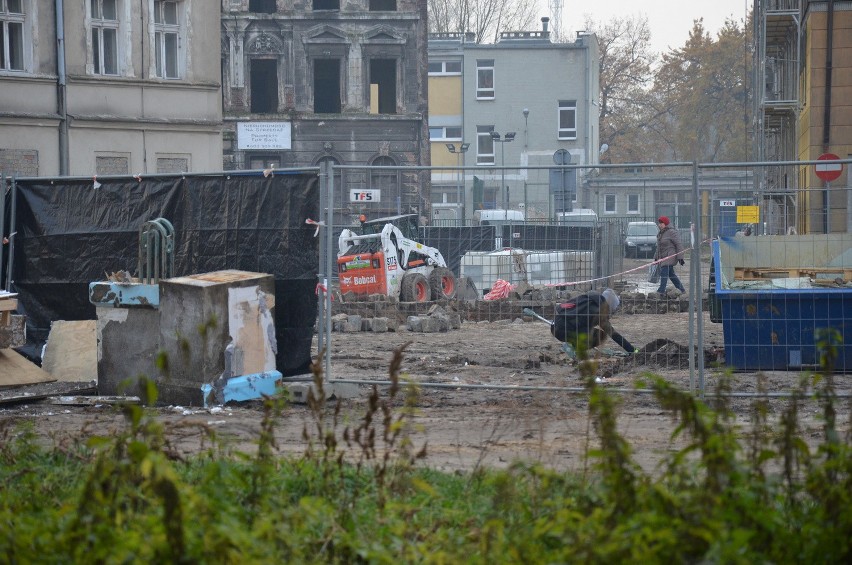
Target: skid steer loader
x: 386, y: 259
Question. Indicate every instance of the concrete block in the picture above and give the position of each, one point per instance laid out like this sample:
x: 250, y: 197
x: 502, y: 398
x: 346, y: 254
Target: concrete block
x: 352, y: 324
x: 379, y: 325
x: 215, y: 325
x: 127, y: 346
x: 15, y: 333
x: 432, y: 325
x: 415, y: 323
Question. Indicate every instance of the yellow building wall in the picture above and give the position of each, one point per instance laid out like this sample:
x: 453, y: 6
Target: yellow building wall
x: 445, y: 96
x: 812, y: 117
x: 445, y: 99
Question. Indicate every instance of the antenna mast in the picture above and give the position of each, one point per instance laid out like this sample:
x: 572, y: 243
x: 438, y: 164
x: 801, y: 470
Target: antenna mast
x: 556, y: 21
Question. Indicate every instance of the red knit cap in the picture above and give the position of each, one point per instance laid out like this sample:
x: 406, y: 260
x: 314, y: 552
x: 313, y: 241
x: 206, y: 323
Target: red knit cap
x: 663, y: 220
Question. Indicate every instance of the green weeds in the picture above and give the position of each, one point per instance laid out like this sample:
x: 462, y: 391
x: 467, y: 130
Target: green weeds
x: 358, y: 494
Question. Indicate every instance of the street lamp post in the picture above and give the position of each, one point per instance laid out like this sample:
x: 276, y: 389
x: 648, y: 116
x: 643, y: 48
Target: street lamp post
x: 460, y: 151
x: 508, y: 138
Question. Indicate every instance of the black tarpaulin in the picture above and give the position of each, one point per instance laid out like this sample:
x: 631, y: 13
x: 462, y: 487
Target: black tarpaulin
x: 70, y: 233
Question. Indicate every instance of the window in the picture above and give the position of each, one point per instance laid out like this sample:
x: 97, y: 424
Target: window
x: 383, y: 75
x: 12, y: 35
x: 485, y: 79
x: 567, y: 119
x: 262, y: 6
x: 167, y: 39
x: 609, y: 203
x: 264, y: 86
x: 327, y: 86
x: 256, y: 161
x: 445, y: 68
x: 446, y: 133
x: 383, y: 5
x: 104, y: 17
x: 632, y: 203
x: 326, y: 4
x: 484, y: 145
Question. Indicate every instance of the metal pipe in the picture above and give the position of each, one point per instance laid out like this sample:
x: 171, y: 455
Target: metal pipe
x: 12, y: 233
x: 622, y: 390
x: 61, y: 88
x: 329, y: 223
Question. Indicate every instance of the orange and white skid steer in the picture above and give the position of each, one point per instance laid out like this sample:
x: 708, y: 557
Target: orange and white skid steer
x: 385, y: 259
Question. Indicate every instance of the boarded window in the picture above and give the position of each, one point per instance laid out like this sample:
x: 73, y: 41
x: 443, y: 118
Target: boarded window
x: 112, y: 165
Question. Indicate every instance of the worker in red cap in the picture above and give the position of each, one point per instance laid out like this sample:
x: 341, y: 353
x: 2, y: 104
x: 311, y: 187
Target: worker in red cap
x: 669, y: 252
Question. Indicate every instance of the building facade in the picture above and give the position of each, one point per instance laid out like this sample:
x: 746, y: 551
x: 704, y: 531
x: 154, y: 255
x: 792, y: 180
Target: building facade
x: 100, y: 87
x: 515, y: 103
x: 825, y: 116
x: 310, y: 81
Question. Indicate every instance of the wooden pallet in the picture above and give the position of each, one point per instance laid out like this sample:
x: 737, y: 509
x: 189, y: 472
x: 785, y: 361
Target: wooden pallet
x: 826, y: 273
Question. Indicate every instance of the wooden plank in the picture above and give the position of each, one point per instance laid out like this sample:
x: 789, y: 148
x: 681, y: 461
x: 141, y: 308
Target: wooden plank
x: 8, y: 304
x: 755, y: 273
x: 17, y: 370
x: 93, y: 400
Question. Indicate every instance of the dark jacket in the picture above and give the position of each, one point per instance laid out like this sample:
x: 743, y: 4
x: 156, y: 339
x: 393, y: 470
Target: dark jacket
x: 669, y: 246
x: 580, y: 315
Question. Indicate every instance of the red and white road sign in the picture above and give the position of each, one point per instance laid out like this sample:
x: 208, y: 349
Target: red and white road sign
x: 828, y: 171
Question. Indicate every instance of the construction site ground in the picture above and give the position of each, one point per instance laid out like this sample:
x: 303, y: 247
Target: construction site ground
x: 536, y: 409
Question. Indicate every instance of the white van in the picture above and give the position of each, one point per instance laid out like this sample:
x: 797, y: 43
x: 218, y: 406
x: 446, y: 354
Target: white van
x: 583, y: 217
x: 497, y: 217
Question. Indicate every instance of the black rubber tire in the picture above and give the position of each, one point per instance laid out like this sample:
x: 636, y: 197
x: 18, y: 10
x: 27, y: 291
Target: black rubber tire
x: 414, y: 288
x: 443, y: 283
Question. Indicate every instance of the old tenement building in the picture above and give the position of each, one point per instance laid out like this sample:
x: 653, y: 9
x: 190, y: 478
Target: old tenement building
x: 307, y: 81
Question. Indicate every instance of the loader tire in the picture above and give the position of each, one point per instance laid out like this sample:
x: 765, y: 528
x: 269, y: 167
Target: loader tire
x: 414, y: 288
x: 442, y: 281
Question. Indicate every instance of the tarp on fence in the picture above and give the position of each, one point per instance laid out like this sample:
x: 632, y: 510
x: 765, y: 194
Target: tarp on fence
x: 70, y: 232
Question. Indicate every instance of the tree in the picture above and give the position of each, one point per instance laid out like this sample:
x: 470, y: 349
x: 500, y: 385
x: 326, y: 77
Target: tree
x: 625, y: 78
x: 701, y: 97
x: 485, y: 18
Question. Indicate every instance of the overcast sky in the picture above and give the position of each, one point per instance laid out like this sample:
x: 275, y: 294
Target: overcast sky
x: 670, y: 20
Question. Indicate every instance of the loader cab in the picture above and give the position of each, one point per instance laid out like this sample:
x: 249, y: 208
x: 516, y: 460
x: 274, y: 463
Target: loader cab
x: 408, y: 224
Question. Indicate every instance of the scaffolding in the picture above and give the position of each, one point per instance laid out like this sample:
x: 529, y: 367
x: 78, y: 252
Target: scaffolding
x: 777, y: 53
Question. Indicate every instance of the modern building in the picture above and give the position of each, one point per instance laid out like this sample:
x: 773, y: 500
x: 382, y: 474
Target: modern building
x: 803, y: 69
x: 521, y: 102
x: 310, y: 81
x: 109, y: 87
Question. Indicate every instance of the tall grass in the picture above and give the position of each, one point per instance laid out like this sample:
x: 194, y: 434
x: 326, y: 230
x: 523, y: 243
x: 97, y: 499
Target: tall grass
x: 358, y: 493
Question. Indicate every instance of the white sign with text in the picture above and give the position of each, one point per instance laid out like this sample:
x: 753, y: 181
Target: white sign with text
x: 365, y: 195
x: 263, y: 135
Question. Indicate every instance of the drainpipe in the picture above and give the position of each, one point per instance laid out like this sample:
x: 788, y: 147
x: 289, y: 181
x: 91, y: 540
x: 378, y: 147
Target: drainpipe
x: 826, y: 124
x: 61, y: 88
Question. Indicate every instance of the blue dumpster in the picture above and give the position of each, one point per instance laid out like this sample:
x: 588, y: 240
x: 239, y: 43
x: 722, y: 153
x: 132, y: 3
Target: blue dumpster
x: 767, y: 327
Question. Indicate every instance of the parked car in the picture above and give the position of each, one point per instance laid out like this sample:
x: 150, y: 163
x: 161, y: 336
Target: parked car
x: 640, y: 239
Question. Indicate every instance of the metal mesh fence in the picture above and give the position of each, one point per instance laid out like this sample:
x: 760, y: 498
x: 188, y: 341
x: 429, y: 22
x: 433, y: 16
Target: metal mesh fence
x: 768, y: 253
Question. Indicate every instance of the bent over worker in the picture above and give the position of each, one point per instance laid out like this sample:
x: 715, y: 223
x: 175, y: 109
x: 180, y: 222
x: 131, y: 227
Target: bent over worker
x: 585, y: 319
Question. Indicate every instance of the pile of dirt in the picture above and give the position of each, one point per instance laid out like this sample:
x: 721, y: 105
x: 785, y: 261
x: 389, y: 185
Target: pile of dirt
x: 665, y: 354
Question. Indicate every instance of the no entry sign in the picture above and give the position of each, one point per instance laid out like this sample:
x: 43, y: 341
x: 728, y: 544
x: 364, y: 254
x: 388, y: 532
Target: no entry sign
x: 828, y: 171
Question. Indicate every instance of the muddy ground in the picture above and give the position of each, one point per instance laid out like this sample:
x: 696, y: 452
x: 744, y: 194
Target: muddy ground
x: 536, y: 410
